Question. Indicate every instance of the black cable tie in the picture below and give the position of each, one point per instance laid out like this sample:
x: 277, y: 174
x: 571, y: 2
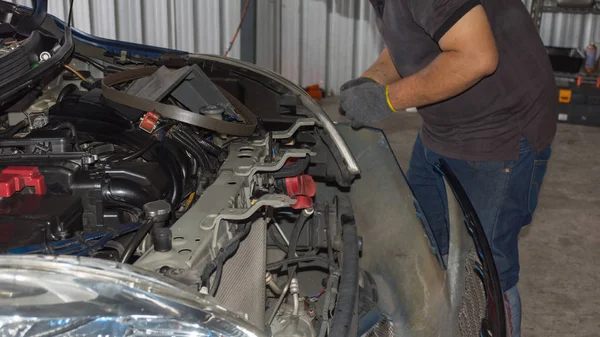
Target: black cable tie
x: 49, y: 249
x: 81, y: 240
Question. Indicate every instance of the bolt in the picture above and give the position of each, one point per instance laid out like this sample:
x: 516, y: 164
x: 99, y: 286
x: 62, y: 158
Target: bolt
x: 308, y: 211
x: 45, y: 56
x: 177, y: 271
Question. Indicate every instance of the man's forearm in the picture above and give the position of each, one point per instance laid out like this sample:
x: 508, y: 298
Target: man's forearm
x: 450, y: 74
x: 383, y: 70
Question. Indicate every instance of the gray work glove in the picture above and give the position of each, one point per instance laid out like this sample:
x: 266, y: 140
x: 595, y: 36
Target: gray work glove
x: 356, y: 82
x: 366, y: 103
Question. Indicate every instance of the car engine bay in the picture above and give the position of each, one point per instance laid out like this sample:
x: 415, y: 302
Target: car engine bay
x: 197, y: 172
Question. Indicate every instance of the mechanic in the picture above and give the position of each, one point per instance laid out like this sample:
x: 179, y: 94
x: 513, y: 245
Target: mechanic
x: 485, y: 89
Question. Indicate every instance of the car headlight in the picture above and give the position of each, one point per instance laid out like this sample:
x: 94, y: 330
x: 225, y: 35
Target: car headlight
x: 49, y: 296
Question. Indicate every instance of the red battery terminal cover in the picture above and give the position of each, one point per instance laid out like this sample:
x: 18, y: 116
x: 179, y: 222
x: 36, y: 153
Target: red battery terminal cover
x: 14, y: 178
x: 303, y: 189
x: 149, y: 121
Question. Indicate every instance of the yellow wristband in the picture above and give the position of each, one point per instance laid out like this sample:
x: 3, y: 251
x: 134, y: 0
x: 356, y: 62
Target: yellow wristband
x: 387, y: 97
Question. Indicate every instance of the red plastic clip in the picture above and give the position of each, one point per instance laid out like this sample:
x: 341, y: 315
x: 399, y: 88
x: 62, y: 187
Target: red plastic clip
x: 15, y: 178
x: 302, y: 188
x: 149, y: 121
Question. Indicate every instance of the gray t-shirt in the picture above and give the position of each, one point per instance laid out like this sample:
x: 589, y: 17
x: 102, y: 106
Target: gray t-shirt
x: 486, y: 122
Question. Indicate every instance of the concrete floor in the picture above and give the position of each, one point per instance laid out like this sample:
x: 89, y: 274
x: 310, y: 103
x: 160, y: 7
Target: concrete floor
x: 560, y: 250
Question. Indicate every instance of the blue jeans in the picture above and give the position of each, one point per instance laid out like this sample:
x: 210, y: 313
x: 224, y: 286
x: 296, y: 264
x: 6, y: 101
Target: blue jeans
x: 504, y: 194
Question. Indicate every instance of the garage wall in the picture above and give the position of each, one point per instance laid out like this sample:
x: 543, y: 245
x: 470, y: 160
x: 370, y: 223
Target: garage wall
x: 192, y: 25
x: 317, y: 41
x: 308, y: 41
x: 569, y: 30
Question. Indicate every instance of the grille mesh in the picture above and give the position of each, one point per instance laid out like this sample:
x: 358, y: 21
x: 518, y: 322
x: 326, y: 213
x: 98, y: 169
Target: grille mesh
x: 242, y: 288
x: 383, y: 328
x: 474, y: 301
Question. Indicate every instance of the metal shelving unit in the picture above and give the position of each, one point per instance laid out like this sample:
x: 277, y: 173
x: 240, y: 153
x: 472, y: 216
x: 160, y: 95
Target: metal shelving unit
x: 539, y: 7
x: 581, y: 104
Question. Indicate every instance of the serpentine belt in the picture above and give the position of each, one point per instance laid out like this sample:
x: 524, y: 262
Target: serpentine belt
x: 174, y: 112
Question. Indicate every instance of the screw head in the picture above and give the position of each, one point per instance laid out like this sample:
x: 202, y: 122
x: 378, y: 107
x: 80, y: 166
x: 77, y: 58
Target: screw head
x: 45, y: 56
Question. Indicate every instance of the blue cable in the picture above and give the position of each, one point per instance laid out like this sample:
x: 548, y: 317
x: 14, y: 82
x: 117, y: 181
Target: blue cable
x: 71, y: 246
x: 82, y: 249
x: 479, y: 270
x: 98, y: 245
x: 56, y: 245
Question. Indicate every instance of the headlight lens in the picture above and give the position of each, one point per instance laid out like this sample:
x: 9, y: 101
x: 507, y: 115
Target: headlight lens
x: 49, y: 296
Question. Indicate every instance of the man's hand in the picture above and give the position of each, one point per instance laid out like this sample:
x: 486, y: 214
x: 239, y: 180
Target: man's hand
x: 365, y: 103
x: 356, y: 82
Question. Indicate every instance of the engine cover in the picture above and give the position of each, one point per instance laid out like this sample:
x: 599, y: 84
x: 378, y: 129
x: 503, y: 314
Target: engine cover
x: 103, y: 193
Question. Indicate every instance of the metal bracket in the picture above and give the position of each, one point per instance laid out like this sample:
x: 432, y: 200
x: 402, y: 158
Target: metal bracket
x: 272, y: 200
x: 292, y: 153
x: 292, y: 130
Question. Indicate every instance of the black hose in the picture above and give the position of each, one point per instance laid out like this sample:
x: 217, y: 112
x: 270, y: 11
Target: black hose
x: 193, y: 140
x: 273, y: 235
x: 218, y: 275
x: 298, y: 225
x: 193, y: 143
x: 228, y: 251
x: 124, y: 191
x: 67, y: 90
x: 89, y: 61
x: 213, y: 149
x: 295, y: 169
x: 190, y: 149
x: 138, y: 153
x: 169, y: 162
x: 348, y: 289
x: 316, y: 258
x: 225, y: 253
x: 332, y: 279
x: 180, y: 156
x: 177, y: 191
x: 13, y: 130
x: 136, y: 240
x: 230, y: 141
x: 200, y: 160
x: 206, y: 145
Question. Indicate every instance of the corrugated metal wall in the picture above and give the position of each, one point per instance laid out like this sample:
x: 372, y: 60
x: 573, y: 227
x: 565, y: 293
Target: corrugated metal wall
x: 568, y: 30
x: 308, y: 41
x: 317, y: 41
x: 204, y: 26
